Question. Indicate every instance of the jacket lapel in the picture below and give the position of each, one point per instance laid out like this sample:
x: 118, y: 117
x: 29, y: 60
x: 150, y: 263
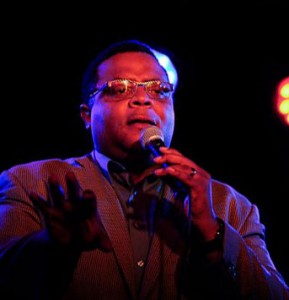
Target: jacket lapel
x: 159, y: 255
x: 116, y: 227
x: 112, y: 218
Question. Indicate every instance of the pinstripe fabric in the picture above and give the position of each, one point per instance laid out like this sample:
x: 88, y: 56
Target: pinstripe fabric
x: 109, y: 276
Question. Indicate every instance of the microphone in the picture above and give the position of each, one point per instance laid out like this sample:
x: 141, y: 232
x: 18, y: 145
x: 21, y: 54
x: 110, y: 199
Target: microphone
x: 151, y: 139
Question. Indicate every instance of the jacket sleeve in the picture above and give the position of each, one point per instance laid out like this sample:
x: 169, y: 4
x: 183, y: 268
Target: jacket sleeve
x: 246, y: 270
x: 31, y: 266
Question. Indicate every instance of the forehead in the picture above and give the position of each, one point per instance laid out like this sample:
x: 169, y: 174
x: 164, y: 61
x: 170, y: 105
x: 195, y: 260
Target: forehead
x: 137, y: 66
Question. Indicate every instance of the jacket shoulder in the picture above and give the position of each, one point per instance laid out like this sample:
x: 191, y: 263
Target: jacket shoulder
x: 48, y: 166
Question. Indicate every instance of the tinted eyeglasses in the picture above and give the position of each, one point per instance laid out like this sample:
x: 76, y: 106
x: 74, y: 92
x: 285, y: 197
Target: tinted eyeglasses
x: 120, y: 89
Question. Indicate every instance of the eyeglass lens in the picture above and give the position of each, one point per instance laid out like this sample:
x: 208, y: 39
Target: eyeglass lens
x: 121, y: 89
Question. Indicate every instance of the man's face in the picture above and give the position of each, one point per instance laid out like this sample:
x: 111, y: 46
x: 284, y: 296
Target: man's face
x: 116, y: 124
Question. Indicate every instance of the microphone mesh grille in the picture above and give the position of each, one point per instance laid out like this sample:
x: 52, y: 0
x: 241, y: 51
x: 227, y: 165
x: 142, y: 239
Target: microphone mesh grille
x: 150, y: 133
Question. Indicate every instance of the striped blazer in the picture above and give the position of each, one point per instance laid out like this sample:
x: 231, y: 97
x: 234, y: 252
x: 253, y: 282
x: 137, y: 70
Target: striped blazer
x: 30, y: 268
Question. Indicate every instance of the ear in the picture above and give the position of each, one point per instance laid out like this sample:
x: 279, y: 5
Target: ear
x: 85, y: 113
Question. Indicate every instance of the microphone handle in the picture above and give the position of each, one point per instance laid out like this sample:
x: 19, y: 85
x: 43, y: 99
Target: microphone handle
x: 177, y: 186
x: 153, y: 146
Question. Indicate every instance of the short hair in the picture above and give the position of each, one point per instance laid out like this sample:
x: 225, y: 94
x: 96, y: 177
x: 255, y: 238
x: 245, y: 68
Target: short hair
x: 90, y: 76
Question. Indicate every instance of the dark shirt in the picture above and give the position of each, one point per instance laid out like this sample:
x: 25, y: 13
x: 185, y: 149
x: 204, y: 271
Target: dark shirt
x: 138, y: 203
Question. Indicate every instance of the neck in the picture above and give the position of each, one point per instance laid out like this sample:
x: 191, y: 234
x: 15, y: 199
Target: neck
x: 137, y: 162
x: 137, y: 177
x: 139, y: 166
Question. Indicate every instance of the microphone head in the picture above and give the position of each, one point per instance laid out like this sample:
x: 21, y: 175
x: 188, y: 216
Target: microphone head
x: 150, y: 134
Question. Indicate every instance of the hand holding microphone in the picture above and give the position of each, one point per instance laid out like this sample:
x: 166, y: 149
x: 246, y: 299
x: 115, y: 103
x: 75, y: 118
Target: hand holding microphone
x: 151, y: 140
x: 180, y: 173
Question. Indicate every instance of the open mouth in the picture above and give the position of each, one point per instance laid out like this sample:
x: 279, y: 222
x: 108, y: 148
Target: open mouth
x: 142, y: 121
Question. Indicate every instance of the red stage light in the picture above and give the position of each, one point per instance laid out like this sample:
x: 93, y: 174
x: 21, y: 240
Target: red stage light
x: 282, y: 100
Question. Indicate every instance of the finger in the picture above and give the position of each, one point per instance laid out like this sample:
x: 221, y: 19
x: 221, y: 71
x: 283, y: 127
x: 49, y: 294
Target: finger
x: 73, y: 188
x: 174, y: 159
x: 185, y: 174
x: 88, y: 206
x: 166, y: 150
x: 56, y: 192
x: 39, y: 202
x: 180, y: 164
x: 49, y: 212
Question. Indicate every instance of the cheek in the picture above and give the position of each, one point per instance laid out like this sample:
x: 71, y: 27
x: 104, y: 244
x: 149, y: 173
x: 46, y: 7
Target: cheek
x: 100, y: 114
x: 97, y: 117
x: 169, y: 129
x: 104, y: 118
x: 168, y: 123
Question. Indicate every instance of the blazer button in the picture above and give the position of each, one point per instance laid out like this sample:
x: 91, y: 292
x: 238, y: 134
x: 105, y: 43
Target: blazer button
x: 140, y: 263
x: 232, y: 270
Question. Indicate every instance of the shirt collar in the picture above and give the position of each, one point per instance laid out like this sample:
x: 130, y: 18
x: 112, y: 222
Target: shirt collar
x: 103, y: 161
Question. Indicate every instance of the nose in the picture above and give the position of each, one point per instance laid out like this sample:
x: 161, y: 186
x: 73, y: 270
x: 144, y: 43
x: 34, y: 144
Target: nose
x: 140, y: 97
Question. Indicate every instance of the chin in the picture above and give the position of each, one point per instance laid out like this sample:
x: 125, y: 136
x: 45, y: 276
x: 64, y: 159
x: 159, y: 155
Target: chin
x: 136, y: 147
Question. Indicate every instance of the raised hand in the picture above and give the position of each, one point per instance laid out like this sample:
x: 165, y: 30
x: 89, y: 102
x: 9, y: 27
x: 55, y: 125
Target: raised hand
x: 73, y: 220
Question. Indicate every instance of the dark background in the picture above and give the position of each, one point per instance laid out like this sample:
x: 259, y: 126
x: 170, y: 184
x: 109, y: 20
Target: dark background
x: 230, y: 60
